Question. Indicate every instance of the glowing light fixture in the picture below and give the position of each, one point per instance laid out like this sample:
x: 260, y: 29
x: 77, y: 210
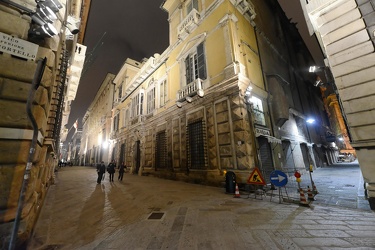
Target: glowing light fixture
x: 310, y: 120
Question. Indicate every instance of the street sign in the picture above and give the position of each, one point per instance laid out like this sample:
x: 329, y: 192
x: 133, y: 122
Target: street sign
x: 256, y: 178
x: 278, y: 178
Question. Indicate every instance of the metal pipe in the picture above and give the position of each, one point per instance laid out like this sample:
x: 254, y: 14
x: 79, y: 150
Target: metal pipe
x: 34, y: 86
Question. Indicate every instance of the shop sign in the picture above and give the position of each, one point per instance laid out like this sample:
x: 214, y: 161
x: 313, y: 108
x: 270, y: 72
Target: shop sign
x: 260, y: 131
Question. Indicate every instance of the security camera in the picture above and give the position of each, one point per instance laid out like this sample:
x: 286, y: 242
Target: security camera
x: 71, y: 24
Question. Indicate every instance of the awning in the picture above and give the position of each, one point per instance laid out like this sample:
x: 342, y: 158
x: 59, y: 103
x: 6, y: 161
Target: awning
x: 270, y: 139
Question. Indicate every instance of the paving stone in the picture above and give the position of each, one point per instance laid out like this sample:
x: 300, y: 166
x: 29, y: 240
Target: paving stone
x: 115, y: 216
x: 322, y: 242
x: 328, y: 233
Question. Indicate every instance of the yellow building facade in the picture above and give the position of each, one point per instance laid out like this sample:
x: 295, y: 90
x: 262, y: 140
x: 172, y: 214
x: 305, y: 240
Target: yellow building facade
x: 226, y: 95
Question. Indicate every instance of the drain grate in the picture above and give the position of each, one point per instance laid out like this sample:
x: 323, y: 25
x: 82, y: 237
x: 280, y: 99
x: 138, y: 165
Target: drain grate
x: 155, y: 216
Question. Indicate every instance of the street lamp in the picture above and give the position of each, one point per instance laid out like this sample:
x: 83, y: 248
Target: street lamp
x: 310, y: 120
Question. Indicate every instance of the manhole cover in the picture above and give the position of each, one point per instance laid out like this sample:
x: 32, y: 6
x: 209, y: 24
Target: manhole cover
x: 155, y: 216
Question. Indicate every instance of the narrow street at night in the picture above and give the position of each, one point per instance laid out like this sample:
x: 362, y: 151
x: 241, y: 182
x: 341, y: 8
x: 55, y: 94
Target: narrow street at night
x: 144, y: 212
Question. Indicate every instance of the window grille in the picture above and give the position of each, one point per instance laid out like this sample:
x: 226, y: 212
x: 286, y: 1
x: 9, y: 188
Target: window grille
x: 161, y: 150
x: 196, y: 145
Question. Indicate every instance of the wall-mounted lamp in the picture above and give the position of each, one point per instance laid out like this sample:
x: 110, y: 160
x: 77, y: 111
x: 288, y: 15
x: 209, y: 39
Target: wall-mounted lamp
x: 47, y: 30
x: 52, y: 4
x: 179, y: 104
x: 313, y: 69
x: 247, y: 96
x: 43, y: 15
x: 189, y: 99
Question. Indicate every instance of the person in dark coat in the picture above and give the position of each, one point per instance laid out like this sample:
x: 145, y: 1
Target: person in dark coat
x: 101, y: 170
x: 121, y: 171
x: 111, y: 169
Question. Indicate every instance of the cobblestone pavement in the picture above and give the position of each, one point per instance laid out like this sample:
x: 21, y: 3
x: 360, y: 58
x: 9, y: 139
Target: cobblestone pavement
x: 342, y: 185
x: 338, y: 185
x: 151, y: 213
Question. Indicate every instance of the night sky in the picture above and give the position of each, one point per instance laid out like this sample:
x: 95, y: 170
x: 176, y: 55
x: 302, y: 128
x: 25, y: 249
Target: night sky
x: 137, y: 29
x: 133, y: 29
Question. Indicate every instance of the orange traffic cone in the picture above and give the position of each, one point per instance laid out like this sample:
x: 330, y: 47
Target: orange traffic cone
x: 310, y: 195
x: 315, y: 191
x: 237, y: 194
x: 302, y: 199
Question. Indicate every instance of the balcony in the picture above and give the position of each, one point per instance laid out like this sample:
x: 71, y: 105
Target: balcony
x: 188, y: 23
x: 246, y: 8
x: 190, y: 90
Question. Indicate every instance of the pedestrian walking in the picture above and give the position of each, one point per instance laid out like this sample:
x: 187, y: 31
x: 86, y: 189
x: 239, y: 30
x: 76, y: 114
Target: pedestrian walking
x: 121, y: 171
x: 111, y: 169
x: 101, y: 171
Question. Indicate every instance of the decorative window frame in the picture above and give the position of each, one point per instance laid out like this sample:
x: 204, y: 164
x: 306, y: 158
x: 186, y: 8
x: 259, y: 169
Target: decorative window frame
x: 151, y: 97
x: 163, y: 88
x: 190, y: 48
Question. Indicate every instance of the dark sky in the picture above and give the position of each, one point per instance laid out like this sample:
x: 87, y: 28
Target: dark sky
x: 137, y: 29
x: 134, y: 29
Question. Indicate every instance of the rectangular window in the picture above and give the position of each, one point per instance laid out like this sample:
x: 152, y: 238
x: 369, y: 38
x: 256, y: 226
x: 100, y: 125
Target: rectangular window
x: 195, y: 65
x: 120, y: 91
x: 126, y: 117
x: 193, y: 4
x: 163, y: 93
x: 135, y: 102
x: 116, y: 121
x: 151, y: 100
x: 137, y: 105
x: 123, y: 114
x: 195, y: 145
x: 257, y: 110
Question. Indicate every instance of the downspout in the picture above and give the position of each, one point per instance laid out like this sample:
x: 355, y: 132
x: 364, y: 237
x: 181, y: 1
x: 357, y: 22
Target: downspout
x: 34, y: 86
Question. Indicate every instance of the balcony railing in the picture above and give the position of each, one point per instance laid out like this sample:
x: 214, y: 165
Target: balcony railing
x: 189, y: 90
x: 190, y: 21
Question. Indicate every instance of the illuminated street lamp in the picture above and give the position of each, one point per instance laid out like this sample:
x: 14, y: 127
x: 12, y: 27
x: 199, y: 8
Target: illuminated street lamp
x: 310, y: 120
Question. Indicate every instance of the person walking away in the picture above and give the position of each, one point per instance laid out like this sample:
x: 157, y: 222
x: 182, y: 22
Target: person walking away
x: 111, y: 170
x: 101, y: 170
x: 121, y: 171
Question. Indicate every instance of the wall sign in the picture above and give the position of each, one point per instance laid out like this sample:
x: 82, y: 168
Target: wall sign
x: 259, y: 132
x: 18, y: 47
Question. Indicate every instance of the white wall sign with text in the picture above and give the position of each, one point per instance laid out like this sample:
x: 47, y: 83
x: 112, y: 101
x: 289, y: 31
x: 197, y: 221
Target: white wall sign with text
x: 18, y: 47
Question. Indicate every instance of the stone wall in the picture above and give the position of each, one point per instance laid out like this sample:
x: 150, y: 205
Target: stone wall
x: 16, y: 75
